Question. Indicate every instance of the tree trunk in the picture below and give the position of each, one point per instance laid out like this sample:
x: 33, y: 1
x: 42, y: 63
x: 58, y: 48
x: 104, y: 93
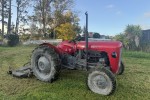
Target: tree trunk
x: 17, y: 20
x: 9, y: 19
x: 44, y: 16
x: 2, y: 18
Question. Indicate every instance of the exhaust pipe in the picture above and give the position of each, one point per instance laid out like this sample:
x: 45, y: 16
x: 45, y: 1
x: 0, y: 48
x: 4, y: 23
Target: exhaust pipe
x: 86, y: 39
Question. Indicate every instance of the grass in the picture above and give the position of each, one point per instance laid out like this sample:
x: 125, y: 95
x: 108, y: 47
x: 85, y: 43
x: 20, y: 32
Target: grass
x: 134, y: 84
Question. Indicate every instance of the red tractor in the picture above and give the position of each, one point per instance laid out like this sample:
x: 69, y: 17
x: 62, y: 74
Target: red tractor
x: 102, y: 59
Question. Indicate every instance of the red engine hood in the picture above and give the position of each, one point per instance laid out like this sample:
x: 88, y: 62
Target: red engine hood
x: 100, y: 45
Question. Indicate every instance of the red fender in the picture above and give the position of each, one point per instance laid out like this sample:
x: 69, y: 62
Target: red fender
x: 51, y: 46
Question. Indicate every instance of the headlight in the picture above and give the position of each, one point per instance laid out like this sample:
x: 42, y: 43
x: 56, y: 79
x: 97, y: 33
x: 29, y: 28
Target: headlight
x: 102, y: 60
x: 114, y: 55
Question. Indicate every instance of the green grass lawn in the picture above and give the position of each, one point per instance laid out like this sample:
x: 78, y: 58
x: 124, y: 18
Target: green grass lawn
x: 134, y: 84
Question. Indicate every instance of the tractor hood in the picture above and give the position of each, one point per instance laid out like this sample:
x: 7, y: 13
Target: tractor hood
x: 99, y: 45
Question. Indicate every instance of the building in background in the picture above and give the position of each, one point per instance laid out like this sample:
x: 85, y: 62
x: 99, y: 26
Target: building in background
x: 5, y: 27
x: 145, y: 38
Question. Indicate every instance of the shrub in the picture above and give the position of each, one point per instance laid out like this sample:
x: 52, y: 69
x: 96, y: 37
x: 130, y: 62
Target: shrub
x: 1, y: 39
x: 24, y: 37
x: 36, y: 36
x: 13, y: 39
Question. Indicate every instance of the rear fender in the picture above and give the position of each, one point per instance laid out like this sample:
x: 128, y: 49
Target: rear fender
x: 51, y: 46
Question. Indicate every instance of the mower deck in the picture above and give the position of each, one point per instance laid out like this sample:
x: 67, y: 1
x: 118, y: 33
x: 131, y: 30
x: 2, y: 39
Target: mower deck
x: 22, y: 72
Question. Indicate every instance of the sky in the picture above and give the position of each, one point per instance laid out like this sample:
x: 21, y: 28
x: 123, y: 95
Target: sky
x: 110, y: 17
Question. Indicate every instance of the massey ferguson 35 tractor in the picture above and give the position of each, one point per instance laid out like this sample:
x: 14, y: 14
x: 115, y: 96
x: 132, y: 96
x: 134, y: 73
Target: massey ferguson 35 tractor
x: 101, y: 59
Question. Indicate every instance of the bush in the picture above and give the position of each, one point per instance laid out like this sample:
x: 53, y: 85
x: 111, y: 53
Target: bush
x: 1, y: 39
x: 13, y: 39
x: 24, y: 37
x: 36, y: 36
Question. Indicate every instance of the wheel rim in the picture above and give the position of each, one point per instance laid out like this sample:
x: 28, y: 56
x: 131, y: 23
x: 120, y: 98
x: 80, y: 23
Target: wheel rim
x: 43, y: 67
x: 100, y: 83
x: 43, y: 64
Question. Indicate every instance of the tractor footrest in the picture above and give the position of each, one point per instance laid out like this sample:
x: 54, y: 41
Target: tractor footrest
x: 23, y: 72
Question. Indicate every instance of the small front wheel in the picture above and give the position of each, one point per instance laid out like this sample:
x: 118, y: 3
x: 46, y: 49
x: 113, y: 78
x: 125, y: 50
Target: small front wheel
x: 121, y: 69
x: 102, y: 81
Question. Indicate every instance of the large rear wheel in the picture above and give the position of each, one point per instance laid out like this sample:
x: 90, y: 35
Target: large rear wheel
x: 45, y: 63
x: 102, y: 81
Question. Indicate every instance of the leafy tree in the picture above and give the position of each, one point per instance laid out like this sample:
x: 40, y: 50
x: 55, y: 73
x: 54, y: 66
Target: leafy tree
x: 13, y: 39
x: 9, y: 18
x: 70, y: 17
x: 61, y: 13
x: 77, y: 28
x: 75, y: 23
x: 131, y: 37
x: 66, y: 31
x: 84, y: 30
x: 59, y: 8
x: 133, y: 34
x: 51, y: 14
x: 4, y: 12
x: 22, y: 12
x: 122, y: 38
x: 69, y: 20
x: 42, y: 12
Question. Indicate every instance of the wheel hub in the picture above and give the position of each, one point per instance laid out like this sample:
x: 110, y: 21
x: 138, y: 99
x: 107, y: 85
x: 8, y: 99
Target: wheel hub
x: 100, y: 82
x: 44, y: 64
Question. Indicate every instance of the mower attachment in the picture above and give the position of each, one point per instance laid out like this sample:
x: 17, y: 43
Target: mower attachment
x: 22, y: 72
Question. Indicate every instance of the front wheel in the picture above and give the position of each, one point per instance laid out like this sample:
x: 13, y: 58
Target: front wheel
x: 121, y: 69
x: 102, y: 81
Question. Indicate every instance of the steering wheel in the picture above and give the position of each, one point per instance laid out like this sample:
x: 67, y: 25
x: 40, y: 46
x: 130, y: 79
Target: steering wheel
x: 78, y: 38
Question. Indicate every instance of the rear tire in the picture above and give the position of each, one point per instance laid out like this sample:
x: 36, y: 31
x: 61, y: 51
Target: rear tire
x: 101, y: 81
x: 121, y: 69
x: 45, y: 63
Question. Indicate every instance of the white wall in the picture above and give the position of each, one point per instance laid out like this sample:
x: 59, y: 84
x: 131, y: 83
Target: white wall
x: 5, y: 28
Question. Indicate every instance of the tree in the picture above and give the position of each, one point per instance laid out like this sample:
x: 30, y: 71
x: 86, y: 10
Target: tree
x: 22, y: 5
x: 42, y: 11
x: 84, y: 30
x: 53, y: 13
x: 122, y: 38
x: 133, y: 34
x: 4, y: 12
x: 75, y: 22
x: 33, y: 25
x: 9, y: 18
x: 61, y: 12
x: 69, y: 20
x: 72, y: 18
x: 3, y: 5
x: 131, y: 37
x: 66, y: 31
